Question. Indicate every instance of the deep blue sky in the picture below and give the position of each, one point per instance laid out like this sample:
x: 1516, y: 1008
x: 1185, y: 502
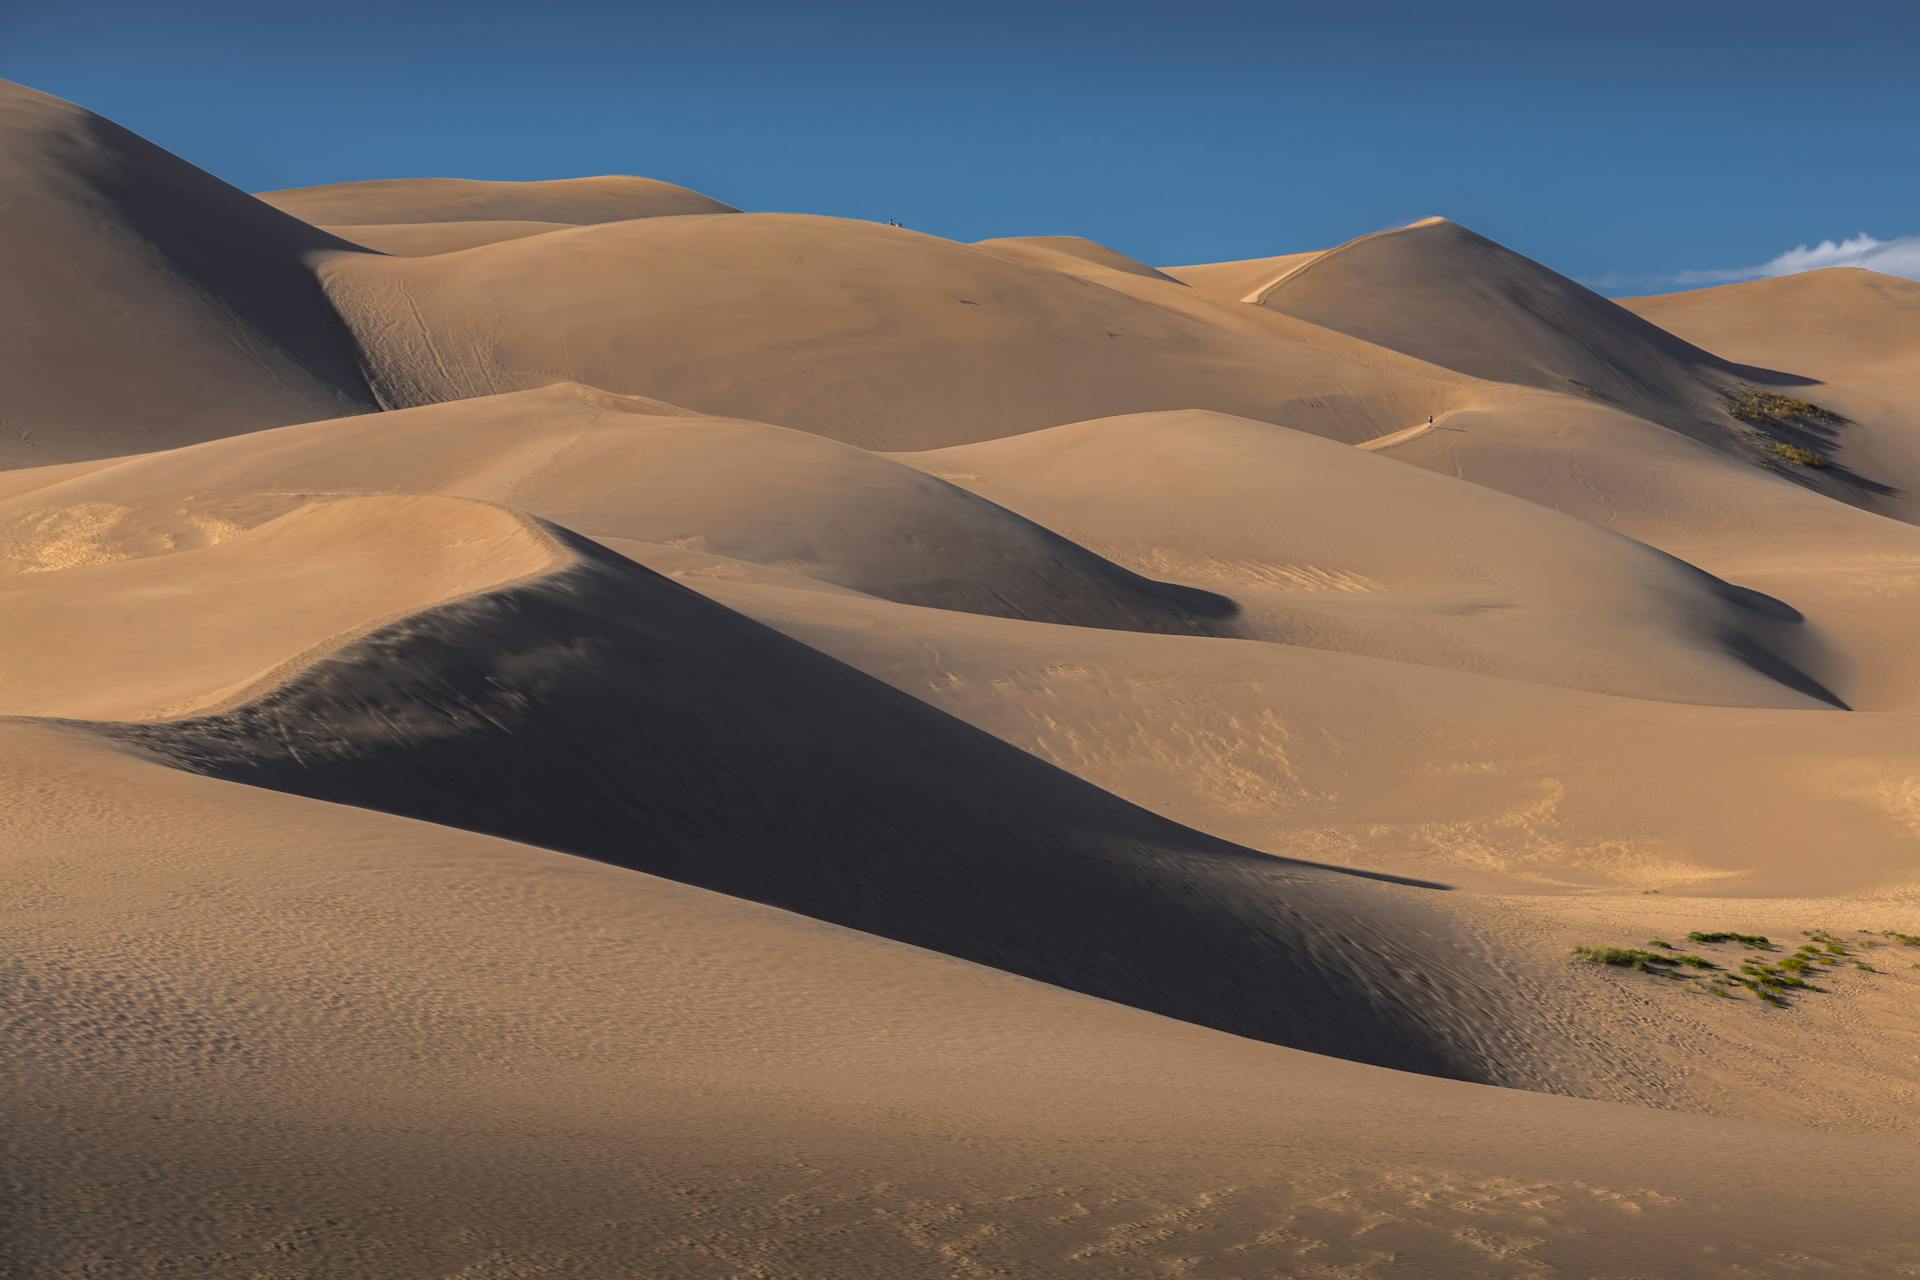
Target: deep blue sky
x: 1619, y: 138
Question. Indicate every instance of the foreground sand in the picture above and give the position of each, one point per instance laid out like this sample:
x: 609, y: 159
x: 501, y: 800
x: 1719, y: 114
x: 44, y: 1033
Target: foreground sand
x: 564, y: 728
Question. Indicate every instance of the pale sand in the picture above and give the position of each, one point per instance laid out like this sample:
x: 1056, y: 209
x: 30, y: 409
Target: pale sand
x: 763, y: 745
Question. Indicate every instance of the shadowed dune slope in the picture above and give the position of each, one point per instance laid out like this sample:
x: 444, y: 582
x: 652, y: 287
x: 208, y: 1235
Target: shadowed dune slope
x: 612, y: 467
x: 146, y: 303
x: 604, y: 710
x: 1440, y: 292
x: 577, y: 201
x: 354, y: 1045
x: 873, y: 335
x: 1337, y: 548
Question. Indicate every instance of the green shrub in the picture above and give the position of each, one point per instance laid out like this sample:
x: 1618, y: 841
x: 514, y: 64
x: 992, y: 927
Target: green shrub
x: 1758, y: 941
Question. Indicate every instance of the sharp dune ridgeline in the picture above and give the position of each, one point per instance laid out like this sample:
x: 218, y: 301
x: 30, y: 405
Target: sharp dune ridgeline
x: 568, y: 728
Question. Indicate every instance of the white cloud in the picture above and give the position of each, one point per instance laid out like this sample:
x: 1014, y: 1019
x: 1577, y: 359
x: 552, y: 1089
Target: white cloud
x: 1899, y: 256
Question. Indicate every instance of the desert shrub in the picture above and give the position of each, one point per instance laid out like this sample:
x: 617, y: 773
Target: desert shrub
x: 1756, y: 940
x: 1760, y: 408
x: 1795, y: 454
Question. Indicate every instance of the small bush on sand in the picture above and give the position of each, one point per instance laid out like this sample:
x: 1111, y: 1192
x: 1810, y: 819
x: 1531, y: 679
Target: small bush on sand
x: 1796, y: 455
x: 1768, y: 408
x: 1760, y: 942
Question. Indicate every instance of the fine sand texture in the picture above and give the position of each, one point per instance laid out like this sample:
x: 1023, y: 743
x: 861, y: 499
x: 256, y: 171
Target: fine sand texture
x: 567, y: 729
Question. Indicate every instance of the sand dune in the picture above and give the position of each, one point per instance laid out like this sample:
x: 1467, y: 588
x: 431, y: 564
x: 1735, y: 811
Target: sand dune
x: 614, y: 467
x: 1242, y: 281
x: 212, y: 321
x: 353, y: 1044
x: 575, y: 201
x: 1432, y: 774
x: 872, y: 335
x: 1838, y: 325
x: 552, y: 732
x: 1068, y: 252
x: 1852, y: 337
x: 1440, y: 292
x: 170, y: 634
x: 596, y: 709
x: 1331, y: 547
x: 423, y: 239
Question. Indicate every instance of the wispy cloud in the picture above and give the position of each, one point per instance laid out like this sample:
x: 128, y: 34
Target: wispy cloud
x: 1899, y: 256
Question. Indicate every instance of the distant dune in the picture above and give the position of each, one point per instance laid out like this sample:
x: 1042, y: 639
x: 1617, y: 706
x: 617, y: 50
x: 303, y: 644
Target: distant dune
x: 563, y: 728
x: 574, y: 201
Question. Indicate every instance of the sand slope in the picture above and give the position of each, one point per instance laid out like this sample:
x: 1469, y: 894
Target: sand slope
x: 728, y: 494
x: 1338, y: 548
x: 170, y: 634
x: 599, y: 709
x: 423, y: 239
x: 1440, y: 292
x: 1068, y: 253
x: 873, y: 335
x: 576, y: 201
x: 148, y: 304
x: 355, y: 1045
x: 1243, y: 280
x: 1838, y: 325
x: 1853, y: 337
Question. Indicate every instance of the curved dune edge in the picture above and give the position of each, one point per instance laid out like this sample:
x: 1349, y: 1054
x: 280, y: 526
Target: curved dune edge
x: 626, y: 468
x: 576, y: 201
x: 177, y: 635
x: 576, y: 708
x: 1330, y: 547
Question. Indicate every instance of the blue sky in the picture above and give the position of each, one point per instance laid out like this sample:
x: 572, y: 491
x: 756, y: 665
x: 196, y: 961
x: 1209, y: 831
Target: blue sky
x: 1635, y: 145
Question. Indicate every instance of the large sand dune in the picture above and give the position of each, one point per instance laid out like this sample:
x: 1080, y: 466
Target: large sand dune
x: 149, y: 304
x: 563, y: 728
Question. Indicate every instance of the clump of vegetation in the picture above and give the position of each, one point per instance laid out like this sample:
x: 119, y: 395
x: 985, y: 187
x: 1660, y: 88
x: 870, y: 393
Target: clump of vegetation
x: 1760, y: 408
x: 1626, y: 958
x: 1759, y: 942
x: 1796, y: 455
x: 1585, y: 390
x: 1770, y: 981
x: 1660, y: 962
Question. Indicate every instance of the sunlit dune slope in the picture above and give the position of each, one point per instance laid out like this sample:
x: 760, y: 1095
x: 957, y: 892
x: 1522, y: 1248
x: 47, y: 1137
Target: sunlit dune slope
x: 1241, y: 281
x: 164, y: 635
x: 870, y: 334
x: 423, y: 239
x: 1338, y: 548
x: 577, y: 201
x: 1489, y: 784
x: 1059, y: 251
x: 614, y: 467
